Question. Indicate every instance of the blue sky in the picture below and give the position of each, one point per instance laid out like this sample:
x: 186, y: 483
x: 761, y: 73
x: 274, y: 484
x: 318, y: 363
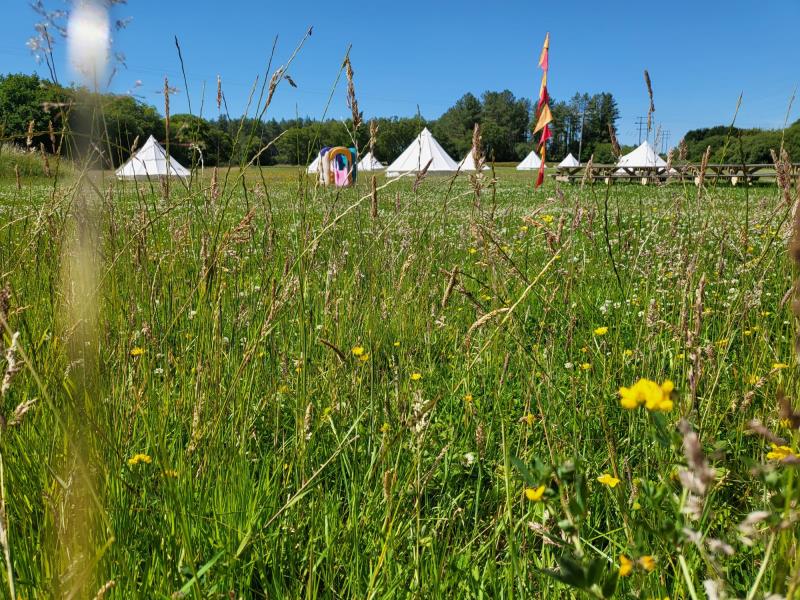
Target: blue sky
x: 701, y: 54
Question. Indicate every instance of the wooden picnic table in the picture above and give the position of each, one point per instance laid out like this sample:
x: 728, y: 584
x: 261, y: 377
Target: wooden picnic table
x: 734, y: 173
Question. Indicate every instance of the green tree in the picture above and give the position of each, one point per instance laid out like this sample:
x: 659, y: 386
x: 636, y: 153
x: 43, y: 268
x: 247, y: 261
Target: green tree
x: 454, y: 128
x: 24, y: 98
x: 505, y: 121
x: 123, y: 120
x: 193, y: 141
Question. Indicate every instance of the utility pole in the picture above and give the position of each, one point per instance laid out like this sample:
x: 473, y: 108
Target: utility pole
x: 640, y: 123
x: 665, y: 142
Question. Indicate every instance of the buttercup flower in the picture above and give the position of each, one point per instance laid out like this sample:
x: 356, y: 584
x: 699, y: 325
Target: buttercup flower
x: 601, y: 331
x: 608, y: 480
x: 139, y: 458
x: 654, y: 397
x: 625, y: 566
x: 780, y: 452
x: 535, y: 494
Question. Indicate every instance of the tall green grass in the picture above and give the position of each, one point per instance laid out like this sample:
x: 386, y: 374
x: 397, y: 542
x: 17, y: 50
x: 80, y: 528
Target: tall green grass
x: 281, y: 464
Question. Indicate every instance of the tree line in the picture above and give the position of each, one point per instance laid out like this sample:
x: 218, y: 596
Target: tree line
x: 34, y: 112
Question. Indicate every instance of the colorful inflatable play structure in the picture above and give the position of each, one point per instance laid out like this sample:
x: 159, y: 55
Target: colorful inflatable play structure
x: 337, y: 166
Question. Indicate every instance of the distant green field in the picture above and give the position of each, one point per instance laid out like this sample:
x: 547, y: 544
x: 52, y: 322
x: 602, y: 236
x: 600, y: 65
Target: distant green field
x: 254, y: 388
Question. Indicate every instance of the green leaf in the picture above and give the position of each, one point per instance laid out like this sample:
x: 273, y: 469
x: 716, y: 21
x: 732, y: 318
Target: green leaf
x: 610, y: 584
x: 524, y: 471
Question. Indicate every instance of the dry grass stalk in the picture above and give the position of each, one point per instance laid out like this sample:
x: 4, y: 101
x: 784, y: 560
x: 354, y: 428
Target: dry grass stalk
x: 51, y: 132
x: 482, y: 321
x: 783, y: 174
x: 652, y: 108
x: 389, y: 480
x: 373, y: 136
x: 451, y: 283
x: 588, y: 176
x: 683, y: 149
x: 307, y: 421
x: 352, y: 101
x: 101, y: 593
x: 701, y: 177
x: 693, y: 336
x: 29, y: 136
x: 12, y: 366
x: 219, y: 92
x: 45, y: 161
x: 421, y: 176
x: 374, y: 198
x: 17, y: 177
x: 612, y: 133
x: 757, y: 427
x: 214, y: 186
x: 166, y: 107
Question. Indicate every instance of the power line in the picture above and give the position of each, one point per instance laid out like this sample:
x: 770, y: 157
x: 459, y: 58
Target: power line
x: 640, y: 123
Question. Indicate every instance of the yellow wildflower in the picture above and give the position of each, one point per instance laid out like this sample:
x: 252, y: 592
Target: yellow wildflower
x: 648, y: 563
x: 171, y: 473
x: 396, y: 344
x: 777, y: 366
x: 386, y: 428
x: 468, y: 398
x: 139, y: 458
x: 472, y: 250
x: 364, y: 357
x: 547, y: 219
x: 535, y: 494
x: 627, y: 353
x: 780, y: 452
x: 416, y: 376
x: 137, y: 351
x: 608, y: 480
x: 358, y: 350
x: 529, y: 419
x: 601, y: 331
x: 654, y: 397
x: 586, y: 366
x: 753, y: 379
x: 625, y: 566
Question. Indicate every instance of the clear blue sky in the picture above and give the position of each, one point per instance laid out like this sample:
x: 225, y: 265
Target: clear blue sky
x: 701, y: 54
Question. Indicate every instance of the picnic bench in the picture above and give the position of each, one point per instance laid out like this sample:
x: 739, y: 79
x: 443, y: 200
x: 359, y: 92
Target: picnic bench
x: 732, y: 173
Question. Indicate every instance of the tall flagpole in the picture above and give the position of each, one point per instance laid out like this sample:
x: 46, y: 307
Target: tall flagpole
x: 543, y: 115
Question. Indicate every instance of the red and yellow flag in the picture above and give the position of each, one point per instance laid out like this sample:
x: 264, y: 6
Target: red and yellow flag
x: 543, y: 114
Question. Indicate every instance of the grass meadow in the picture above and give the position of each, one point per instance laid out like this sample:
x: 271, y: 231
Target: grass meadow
x: 258, y: 388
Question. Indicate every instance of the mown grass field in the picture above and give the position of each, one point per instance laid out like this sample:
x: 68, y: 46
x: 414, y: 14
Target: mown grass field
x: 254, y: 388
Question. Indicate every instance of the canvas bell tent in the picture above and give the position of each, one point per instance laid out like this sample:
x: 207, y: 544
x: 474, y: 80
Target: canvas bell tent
x: 530, y: 162
x: 569, y: 161
x: 370, y: 163
x: 420, y: 152
x: 468, y: 163
x: 644, y: 156
x: 151, y: 161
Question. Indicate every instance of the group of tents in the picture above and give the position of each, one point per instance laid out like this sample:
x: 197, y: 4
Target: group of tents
x: 151, y: 160
x: 425, y: 151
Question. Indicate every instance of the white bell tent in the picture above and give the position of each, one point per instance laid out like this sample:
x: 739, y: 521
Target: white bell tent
x: 151, y: 161
x: 644, y: 156
x: 370, y: 163
x: 569, y: 161
x: 530, y: 162
x: 423, y: 150
x: 468, y: 163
